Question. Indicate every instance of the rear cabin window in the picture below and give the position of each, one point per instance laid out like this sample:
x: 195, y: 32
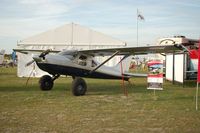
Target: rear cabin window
x: 94, y: 63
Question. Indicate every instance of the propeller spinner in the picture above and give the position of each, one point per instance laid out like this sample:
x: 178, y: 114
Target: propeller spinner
x: 38, y: 58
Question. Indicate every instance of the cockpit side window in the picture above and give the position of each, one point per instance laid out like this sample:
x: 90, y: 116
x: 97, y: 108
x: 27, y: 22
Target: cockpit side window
x: 82, y: 60
x: 82, y: 57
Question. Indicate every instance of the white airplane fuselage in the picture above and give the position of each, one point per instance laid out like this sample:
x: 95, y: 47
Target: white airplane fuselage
x: 74, y: 66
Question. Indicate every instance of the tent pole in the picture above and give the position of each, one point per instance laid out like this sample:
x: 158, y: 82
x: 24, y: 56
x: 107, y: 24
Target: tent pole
x: 197, y: 89
x: 173, y: 69
x: 184, y: 69
x: 72, y: 33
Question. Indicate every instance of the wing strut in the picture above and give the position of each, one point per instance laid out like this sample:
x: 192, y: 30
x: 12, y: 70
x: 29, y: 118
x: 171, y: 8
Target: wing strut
x: 104, y: 62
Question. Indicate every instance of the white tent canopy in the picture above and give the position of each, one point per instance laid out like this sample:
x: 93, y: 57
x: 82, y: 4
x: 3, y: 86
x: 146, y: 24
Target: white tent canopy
x: 69, y: 36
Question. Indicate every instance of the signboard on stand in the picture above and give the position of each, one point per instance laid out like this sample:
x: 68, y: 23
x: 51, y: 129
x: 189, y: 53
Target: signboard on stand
x: 155, y: 75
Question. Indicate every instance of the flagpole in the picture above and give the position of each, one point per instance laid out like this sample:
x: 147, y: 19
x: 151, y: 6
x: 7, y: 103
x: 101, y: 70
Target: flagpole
x: 137, y: 27
x: 137, y: 43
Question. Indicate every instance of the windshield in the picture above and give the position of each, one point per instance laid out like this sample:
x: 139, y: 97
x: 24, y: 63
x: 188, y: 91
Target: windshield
x: 71, y: 54
x: 68, y: 52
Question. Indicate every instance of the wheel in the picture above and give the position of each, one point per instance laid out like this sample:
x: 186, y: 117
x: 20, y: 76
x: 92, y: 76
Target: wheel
x: 46, y: 83
x: 79, y: 87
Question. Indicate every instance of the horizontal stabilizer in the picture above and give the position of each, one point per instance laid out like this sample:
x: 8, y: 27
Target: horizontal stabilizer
x: 135, y: 74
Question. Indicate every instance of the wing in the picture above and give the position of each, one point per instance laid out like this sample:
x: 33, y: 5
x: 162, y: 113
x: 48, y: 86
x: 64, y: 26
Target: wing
x: 135, y: 50
x: 26, y: 51
x: 120, y: 51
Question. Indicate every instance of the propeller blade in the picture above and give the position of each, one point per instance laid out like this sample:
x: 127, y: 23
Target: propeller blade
x: 29, y: 63
x: 29, y: 76
x: 44, y: 53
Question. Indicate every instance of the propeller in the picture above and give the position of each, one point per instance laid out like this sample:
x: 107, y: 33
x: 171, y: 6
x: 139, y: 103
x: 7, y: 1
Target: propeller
x: 30, y: 74
x: 29, y: 63
x: 29, y: 77
x: 35, y: 59
x: 42, y: 55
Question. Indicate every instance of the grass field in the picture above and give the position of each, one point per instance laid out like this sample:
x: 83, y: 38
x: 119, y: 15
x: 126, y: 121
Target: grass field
x: 104, y: 109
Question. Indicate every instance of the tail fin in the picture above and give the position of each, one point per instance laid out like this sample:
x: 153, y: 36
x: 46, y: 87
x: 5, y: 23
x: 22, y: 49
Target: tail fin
x: 123, y: 64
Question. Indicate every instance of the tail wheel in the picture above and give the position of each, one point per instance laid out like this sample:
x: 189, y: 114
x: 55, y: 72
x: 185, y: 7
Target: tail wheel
x: 46, y: 83
x: 79, y: 87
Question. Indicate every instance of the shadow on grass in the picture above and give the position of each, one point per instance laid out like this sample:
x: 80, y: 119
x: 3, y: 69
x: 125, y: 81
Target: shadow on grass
x: 95, y: 86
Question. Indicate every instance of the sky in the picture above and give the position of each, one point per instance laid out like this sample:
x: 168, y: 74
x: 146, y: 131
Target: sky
x: 20, y: 19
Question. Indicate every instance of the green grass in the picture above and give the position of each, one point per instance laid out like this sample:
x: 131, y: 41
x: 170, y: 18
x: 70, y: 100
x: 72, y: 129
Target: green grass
x: 104, y: 109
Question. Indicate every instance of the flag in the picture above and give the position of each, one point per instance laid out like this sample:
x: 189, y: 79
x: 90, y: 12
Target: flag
x: 140, y: 16
x: 198, y: 77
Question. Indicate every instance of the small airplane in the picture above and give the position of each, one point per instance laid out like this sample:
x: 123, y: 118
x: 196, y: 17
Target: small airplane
x: 81, y: 63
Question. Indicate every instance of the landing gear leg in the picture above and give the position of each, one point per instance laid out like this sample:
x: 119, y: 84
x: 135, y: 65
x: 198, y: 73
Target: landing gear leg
x: 73, y: 77
x: 55, y: 77
x: 79, y: 87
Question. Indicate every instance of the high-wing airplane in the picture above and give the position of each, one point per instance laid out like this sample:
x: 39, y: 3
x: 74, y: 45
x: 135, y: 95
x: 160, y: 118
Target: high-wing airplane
x: 81, y: 63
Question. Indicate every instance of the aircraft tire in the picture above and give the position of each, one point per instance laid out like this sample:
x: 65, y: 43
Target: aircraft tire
x: 79, y: 87
x: 46, y: 83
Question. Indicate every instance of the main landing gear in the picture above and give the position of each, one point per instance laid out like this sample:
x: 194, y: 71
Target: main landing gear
x: 79, y: 86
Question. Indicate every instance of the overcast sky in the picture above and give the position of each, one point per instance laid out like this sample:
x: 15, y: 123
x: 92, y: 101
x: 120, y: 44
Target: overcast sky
x: 20, y: 19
